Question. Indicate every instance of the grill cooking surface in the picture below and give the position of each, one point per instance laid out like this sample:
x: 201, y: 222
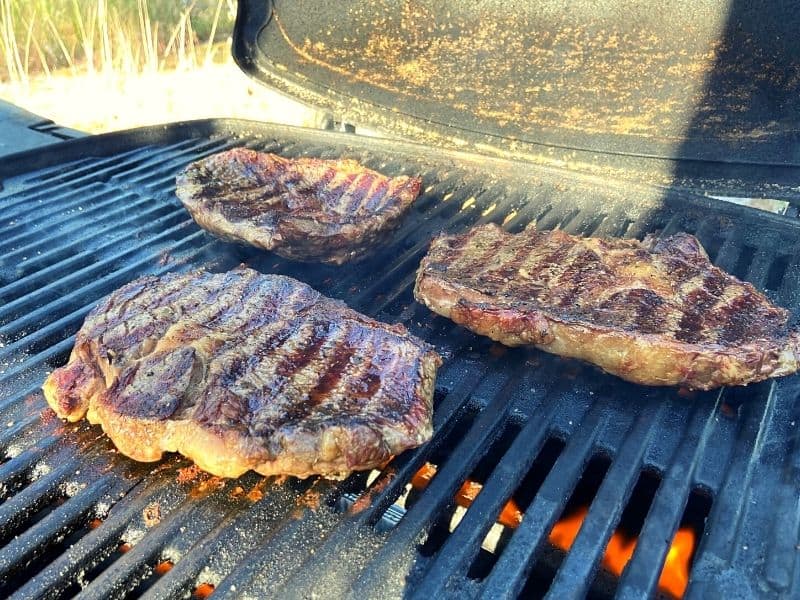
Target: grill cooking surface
x: 553, y: 435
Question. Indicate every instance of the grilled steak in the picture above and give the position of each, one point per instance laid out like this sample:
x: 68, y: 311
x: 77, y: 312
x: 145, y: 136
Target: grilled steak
x: 306, y: 209
x: 243, y: 371
x: 655, y: 312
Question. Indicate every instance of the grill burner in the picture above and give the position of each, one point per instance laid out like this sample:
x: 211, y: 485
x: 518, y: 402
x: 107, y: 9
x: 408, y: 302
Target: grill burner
x: 82, y: 219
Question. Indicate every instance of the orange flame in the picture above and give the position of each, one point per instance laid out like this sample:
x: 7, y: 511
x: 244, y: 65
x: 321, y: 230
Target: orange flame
x: 675, y: 575
x: 510, y: 516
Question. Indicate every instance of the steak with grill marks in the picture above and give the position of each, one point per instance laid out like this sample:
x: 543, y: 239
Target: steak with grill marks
x: 243, y: 371
x: 306, y: 209
x: 655, y: 312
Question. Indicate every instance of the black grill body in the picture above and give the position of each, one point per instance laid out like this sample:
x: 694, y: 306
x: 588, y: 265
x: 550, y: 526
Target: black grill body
x: 80, y: 219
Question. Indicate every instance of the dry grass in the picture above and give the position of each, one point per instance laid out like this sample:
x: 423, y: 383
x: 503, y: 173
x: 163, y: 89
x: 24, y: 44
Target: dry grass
x: 45, y: 37
x: 102, y: 65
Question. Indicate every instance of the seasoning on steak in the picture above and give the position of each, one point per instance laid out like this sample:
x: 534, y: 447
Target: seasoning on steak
x: 306, y: 209
x: 655, y: 312
x: 243, y: 371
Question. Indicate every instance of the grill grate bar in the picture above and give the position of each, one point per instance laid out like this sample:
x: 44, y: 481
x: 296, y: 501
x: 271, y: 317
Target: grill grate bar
x: 70, y: 321
x: 35, y: 240
x: 729, y: 252
x: 507, y: 578
x: 18, y: 469
x: 486, y: 428
x: 38, y: 359
x: 759, y: 268
x: 97, y: 172
x: 134, y: 565
x: 92, y: 238
x: 55, y: 272
x: 64, y: 520
x: 44, y: 213
x: 783, y: 558
x: 153, y: 167
x: 149, y: 213
x: 15, y: 511
x: 462, y: 545
x: 261, y: 570
x: 234, y: 536
x: 96, y: 545
x: 92, y: 271
x: 642, y: 572
x: 17, y: 429
x: 52, y: 172
x: 98, y: 288
x: 575, y: 574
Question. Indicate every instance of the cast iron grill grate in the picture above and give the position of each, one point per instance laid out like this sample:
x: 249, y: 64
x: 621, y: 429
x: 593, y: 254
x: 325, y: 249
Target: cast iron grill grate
x: 80, y: 220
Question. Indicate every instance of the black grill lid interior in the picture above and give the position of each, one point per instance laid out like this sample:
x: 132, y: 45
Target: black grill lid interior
x: 712, y: 80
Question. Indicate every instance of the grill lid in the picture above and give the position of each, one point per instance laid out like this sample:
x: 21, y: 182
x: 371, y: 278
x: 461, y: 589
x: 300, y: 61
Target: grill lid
x: 610, y: 86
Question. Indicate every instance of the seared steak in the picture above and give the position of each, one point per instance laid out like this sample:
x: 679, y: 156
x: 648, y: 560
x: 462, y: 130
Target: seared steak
x: 306, y: 209
x: 655, y: 312
x: 243, y: 371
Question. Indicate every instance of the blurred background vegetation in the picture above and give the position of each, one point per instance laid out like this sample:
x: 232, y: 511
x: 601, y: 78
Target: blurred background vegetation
x: 104, y: 65
x: 44, y: 37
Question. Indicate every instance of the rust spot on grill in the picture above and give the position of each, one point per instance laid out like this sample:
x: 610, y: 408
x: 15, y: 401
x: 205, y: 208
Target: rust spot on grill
x: 510, y: 515
x: 188, y: 474
x: 365, y: 500
x: 309, y: 499
x: 202, y: 591
x: 152, y: 514
x: 164, y: 567
x: 497, y: 350
x: 207, y: 486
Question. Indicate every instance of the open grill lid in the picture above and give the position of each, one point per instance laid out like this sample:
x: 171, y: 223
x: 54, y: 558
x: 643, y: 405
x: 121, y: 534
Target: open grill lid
x: 623, y: 87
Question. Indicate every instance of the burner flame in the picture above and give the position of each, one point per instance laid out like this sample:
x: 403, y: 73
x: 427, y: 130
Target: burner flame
x: 510, y: 516
x: 675, y: 574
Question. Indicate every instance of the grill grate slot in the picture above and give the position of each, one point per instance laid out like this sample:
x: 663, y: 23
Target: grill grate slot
x: 461, y: 547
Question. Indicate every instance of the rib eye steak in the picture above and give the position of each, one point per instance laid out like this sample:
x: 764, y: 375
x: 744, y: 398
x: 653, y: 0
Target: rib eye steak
x: 243, y: 371
x: 306, y: 209
x: 655, y: 312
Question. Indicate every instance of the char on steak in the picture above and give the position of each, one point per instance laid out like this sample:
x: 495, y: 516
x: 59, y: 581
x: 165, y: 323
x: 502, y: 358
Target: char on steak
x: 243, y: 371
x: 655, y: 312
x: 306, y: 209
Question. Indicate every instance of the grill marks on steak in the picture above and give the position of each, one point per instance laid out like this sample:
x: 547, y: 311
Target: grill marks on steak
x: 243, y: 371
x: 306, y: 209
x: 655, y: 312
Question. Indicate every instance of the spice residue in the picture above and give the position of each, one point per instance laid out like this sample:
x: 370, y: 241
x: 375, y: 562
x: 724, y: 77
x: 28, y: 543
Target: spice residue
x: 364, y: 501
x: 152, y: 514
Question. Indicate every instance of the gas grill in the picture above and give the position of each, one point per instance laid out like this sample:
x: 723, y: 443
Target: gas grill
x: 541, y: 473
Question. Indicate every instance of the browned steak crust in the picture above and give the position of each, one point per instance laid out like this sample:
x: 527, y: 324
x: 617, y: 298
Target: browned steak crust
x: 306, y: 209
x: 655, y: 312
x: 243, y: 371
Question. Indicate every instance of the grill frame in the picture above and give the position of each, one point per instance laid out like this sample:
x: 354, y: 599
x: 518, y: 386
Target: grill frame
x: 488, y: 388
